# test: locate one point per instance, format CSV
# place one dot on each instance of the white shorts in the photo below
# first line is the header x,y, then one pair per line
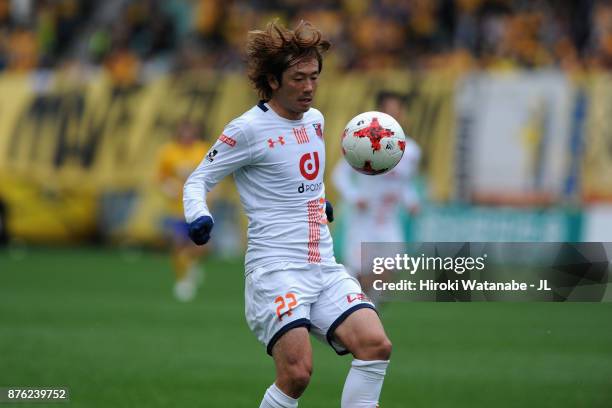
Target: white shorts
x,y
285,295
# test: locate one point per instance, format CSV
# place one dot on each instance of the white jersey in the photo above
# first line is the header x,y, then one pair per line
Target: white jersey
x,y
278,167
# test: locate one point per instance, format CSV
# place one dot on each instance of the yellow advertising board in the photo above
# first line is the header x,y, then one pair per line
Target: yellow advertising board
x,y
65,147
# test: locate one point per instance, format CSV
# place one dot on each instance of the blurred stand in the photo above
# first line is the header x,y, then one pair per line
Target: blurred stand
x,y
509,102
368,35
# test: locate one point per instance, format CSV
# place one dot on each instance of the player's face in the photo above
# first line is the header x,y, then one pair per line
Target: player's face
x,y
393,106
294,95
187,134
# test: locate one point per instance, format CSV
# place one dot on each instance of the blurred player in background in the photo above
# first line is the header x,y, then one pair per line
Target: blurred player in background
x,y
276,153
375,204
177,159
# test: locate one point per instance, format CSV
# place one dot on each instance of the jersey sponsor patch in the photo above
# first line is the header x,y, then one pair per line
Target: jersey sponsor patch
x,y
310,187
227,140
309,165
318,129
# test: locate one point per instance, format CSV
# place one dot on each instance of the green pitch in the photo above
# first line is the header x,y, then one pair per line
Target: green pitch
x,y
104,324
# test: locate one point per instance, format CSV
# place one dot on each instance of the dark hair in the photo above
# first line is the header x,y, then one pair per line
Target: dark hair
x,y
382,96
273,50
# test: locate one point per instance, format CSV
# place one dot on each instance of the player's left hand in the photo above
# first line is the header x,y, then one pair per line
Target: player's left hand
x,y
329,211
199,230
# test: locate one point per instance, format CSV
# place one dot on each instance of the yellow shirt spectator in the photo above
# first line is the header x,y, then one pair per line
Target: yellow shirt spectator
x,y
177,159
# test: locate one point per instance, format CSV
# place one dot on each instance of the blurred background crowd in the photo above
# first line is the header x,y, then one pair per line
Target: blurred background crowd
x,y
91,91
125,36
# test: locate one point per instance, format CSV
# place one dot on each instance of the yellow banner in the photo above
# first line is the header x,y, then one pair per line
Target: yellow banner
x,y
89,142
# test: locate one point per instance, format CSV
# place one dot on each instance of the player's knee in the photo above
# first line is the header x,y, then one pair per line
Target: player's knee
x,y
297,378
297,373
301,377
384,349
375,348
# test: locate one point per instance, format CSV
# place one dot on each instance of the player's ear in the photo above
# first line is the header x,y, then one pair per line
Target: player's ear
x,y
273,82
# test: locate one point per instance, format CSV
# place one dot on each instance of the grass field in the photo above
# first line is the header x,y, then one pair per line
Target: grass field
x,y
103,322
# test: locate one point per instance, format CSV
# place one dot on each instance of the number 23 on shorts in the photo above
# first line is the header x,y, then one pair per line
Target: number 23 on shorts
x,y
285,305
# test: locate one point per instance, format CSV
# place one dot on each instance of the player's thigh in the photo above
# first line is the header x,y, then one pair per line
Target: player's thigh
x,y
341,297
363,334
292,353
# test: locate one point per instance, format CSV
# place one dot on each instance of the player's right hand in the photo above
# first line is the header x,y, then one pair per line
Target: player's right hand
x,y
199,230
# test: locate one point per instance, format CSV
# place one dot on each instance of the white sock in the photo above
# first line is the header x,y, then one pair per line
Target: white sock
x,y
275,398
364,383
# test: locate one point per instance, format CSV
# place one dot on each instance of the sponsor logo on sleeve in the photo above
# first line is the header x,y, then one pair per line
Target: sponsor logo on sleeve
x,y
211,155
227,140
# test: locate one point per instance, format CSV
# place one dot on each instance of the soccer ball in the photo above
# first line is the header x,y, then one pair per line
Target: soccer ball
x,y
373,143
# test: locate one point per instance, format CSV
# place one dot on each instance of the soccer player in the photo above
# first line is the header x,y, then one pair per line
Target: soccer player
x,y
374,204
177,159
276,153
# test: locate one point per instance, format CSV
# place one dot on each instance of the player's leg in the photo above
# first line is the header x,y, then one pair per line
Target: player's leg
x,y
195,254
292,355
185,260
184,289
346,318
278,299
363,335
